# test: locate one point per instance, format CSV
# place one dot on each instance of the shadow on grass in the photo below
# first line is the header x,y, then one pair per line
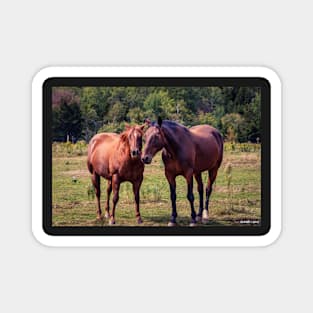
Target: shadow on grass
x,y
181,221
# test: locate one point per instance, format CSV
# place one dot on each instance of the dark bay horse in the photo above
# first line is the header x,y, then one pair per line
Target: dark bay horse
x,y
186,152
117,158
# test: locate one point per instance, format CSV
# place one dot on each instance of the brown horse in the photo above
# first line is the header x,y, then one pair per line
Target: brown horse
x,y
117,158
186,152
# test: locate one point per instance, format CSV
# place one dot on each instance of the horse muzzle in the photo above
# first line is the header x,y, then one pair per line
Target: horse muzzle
x,y
135,154
147,159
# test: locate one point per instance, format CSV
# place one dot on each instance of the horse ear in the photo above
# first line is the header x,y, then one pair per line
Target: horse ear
x,y
127,126
160,121
147,121
142,126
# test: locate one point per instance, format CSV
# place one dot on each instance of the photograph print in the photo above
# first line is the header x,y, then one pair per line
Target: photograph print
x,y
156,156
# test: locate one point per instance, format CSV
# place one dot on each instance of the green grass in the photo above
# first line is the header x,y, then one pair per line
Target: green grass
x,y
73,206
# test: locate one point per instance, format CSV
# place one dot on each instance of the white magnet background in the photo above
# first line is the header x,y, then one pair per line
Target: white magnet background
x,y
157,241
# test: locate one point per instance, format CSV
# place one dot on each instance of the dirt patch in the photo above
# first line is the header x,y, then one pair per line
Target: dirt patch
x,y
77,173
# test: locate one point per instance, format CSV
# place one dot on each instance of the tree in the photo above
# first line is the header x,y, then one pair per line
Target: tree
x,y
112,128
97,98
159,104
89,121
252,117
117,113
136,115
207,118
232,126
57,133
69,95
81,111
70,120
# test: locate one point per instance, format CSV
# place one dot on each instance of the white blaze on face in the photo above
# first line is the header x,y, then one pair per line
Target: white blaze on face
x,y
135,143
135,138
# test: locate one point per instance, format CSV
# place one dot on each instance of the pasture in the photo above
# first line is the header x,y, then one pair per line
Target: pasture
x,y
236,194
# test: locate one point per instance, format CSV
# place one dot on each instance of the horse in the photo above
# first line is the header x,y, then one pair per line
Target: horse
x,y
186,152
117,158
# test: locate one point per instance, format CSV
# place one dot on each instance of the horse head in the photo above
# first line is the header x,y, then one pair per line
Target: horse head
x,y
154,140
132,135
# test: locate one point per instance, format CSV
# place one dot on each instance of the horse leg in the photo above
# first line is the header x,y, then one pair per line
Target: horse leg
x,y
198,178
116,188
190,197
109,190
172,182
136,188
211,178
96,183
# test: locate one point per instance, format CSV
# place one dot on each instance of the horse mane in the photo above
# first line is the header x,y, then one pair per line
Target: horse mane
x,y
125,133
124,136
124,144
171,124
170,131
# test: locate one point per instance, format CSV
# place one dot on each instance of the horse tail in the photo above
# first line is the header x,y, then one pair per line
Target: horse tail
x,y
90,167
220,142
90,150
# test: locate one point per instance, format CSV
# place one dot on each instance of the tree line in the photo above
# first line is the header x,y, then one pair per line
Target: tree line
x,y
80,112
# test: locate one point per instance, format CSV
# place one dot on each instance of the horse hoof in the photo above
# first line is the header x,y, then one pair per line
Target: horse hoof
x,y
111,222
205,215
99,218
139,220
192,224
106,215
171,224
198,219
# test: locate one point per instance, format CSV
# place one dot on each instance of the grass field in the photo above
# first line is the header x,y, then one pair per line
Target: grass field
x,y
236,195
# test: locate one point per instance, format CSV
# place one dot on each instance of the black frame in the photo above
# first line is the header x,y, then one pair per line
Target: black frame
x,y
261,229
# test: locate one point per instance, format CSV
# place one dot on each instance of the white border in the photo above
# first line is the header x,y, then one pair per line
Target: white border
x,y
156,241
